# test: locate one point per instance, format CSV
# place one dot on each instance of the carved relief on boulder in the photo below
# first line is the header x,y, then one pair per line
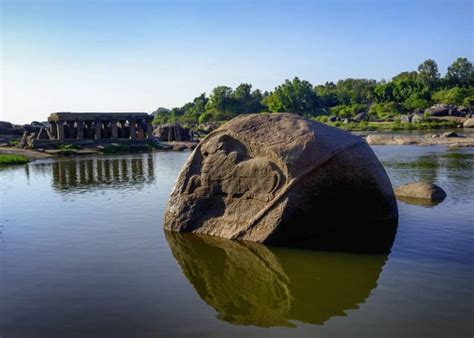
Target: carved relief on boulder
x,y
227,181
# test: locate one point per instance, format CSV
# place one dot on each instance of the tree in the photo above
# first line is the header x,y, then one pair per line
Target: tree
x,y
428,74
460,73
246,101
294,96
220,103
327,94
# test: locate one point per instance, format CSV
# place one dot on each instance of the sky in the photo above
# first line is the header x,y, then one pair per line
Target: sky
x,y
106,55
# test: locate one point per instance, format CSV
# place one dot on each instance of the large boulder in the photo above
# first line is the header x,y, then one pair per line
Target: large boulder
x,y
439,109
286,180
469,123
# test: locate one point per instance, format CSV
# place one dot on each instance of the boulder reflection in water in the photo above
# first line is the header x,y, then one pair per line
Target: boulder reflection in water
x,y
250,284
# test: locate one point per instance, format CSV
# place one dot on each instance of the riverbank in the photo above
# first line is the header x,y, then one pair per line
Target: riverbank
x,y
425,139
450,139
68,150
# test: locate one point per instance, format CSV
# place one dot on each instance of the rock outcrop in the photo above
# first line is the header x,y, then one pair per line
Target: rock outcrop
x,y
421,190
441,109
286,180
172,132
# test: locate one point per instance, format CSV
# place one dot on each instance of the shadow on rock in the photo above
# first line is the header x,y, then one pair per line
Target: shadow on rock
x,y
248,283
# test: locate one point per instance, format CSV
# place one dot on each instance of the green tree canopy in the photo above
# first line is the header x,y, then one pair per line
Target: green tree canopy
x,y
294,96
428,74
405,92
460,73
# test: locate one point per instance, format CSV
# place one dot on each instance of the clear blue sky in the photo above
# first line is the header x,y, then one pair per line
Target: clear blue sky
x,y
139,55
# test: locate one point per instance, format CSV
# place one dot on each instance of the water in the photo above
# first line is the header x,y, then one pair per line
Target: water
x,y
83,254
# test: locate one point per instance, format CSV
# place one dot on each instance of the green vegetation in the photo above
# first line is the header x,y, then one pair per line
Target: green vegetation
x,y
390,126
66,150
382,100
13,159
13,143
116,149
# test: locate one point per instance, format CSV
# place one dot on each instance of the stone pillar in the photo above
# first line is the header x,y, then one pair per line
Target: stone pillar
x,y
98,129
114,130
53,130
71,131
133,131
80,130
60,131
149,130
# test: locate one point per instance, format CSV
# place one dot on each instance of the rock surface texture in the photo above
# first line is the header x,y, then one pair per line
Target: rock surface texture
x,y
286,180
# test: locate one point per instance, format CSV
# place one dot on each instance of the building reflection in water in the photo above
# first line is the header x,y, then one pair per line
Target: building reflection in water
x,y
251,284
80,173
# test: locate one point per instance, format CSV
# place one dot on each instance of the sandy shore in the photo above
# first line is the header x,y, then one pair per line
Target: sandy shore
x,y
31,154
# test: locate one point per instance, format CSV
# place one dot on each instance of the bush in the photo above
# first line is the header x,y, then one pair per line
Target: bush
x,y
116,149
349,110
322,118
13,143
454,95
385,110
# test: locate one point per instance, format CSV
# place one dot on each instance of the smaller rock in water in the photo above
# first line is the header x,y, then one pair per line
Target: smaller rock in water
x,y
421,190
450,134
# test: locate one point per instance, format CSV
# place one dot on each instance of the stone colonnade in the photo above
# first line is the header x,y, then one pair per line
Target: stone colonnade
x,y
114,129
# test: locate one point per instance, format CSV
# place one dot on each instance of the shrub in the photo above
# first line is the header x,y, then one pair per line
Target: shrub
x,y
116,149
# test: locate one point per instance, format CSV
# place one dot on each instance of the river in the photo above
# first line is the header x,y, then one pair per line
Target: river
x,y
83,254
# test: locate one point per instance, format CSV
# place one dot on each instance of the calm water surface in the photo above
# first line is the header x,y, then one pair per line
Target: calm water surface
x,y
83,254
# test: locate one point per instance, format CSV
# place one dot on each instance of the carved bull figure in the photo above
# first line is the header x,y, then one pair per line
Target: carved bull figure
x,y
229,171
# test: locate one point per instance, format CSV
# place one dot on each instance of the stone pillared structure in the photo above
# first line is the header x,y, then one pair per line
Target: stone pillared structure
x,y
100,126
286,180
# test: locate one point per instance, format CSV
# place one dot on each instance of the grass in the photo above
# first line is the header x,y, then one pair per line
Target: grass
x,y
13,159
66,150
